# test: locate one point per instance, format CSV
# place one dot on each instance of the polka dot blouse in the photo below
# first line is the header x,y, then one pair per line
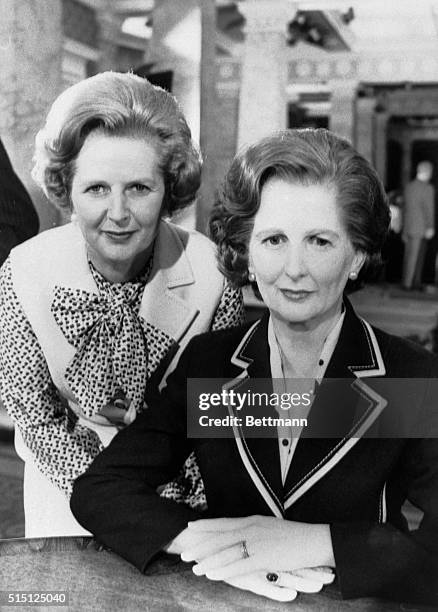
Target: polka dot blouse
x,y
114,352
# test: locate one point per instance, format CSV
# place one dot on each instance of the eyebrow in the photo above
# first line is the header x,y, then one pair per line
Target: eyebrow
x,y
91,180
279,230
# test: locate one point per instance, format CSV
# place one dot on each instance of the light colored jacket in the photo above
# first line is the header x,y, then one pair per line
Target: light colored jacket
x,y
180,297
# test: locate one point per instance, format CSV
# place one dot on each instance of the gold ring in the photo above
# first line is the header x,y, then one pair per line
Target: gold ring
x,y
244,550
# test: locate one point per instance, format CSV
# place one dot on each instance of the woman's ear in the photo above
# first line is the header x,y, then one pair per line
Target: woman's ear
x,y
250,264
358,261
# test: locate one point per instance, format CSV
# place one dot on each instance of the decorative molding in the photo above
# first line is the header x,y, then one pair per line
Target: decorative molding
x,y
310,70
374,69
229,69
229,90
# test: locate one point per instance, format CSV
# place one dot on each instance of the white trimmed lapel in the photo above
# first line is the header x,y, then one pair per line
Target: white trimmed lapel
x,y
357,354
374,365
238,358
360,425
256,454
321,455
163,304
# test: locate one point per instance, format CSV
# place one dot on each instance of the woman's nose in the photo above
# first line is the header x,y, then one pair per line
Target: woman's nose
x,y
295,264
118,209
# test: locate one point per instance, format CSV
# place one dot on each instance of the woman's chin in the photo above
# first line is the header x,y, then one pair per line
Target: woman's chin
x,y
299,314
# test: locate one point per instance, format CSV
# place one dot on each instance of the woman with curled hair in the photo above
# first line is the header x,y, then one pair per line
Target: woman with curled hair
x,y
96,313
301,216
310,157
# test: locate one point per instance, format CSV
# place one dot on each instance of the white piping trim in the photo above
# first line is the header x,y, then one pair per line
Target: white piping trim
x,y
235,359
383,509
255,478
244,453
378,403
380,370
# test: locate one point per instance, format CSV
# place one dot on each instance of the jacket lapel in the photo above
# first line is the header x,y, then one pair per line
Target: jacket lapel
x,y
259,456
163,304
352,407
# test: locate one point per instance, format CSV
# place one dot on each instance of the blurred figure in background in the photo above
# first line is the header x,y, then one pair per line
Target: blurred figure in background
x,y
418,225
18,218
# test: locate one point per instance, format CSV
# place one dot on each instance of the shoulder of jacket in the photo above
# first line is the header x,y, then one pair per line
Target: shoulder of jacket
x,y
188,234
402,353
231,336
51,237
192,240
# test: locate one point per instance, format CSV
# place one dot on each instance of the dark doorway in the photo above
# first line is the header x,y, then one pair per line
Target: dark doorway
x,y
298,118
162,79
428,150
394,165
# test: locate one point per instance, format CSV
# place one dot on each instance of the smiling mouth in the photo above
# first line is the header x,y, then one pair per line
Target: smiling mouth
x,y
118,235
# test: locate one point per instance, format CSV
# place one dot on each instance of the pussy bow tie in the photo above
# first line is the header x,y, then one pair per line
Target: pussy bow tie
x,y
109,338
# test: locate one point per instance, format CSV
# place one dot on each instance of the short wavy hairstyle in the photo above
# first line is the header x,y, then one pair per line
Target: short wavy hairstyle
x,y
306,157
117,104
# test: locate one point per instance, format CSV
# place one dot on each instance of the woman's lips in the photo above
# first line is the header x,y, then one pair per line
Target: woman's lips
x,y
118,236
296,295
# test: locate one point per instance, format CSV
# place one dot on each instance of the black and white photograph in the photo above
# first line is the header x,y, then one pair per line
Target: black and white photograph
x,y
219,305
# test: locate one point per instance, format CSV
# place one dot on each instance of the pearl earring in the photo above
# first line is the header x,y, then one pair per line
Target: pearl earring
x,y
352,276
251,277
73,217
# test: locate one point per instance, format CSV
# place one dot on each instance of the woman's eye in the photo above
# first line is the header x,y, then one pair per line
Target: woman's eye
x,y
275,240
96,189
140,188
319,242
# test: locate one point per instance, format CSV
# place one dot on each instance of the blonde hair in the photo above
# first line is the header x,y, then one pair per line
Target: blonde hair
x,y
117,104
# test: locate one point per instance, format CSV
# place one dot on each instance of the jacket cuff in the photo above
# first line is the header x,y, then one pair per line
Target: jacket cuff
x,y
378,560
158,537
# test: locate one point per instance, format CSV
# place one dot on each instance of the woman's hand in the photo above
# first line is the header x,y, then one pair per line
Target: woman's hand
x,y
288,584
272,545
257,583
187,539
205,535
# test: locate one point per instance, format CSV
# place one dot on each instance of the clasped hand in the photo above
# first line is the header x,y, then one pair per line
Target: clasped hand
x,y
291,551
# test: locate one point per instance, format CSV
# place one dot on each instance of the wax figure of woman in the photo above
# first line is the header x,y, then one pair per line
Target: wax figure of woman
x,y
302,215
96,312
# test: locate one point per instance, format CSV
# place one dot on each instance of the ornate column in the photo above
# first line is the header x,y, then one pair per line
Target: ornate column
x,y
176,46
208,110
342,109
263,103
30,79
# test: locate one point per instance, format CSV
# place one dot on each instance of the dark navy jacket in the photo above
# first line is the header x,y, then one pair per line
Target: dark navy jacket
x,y
355,483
